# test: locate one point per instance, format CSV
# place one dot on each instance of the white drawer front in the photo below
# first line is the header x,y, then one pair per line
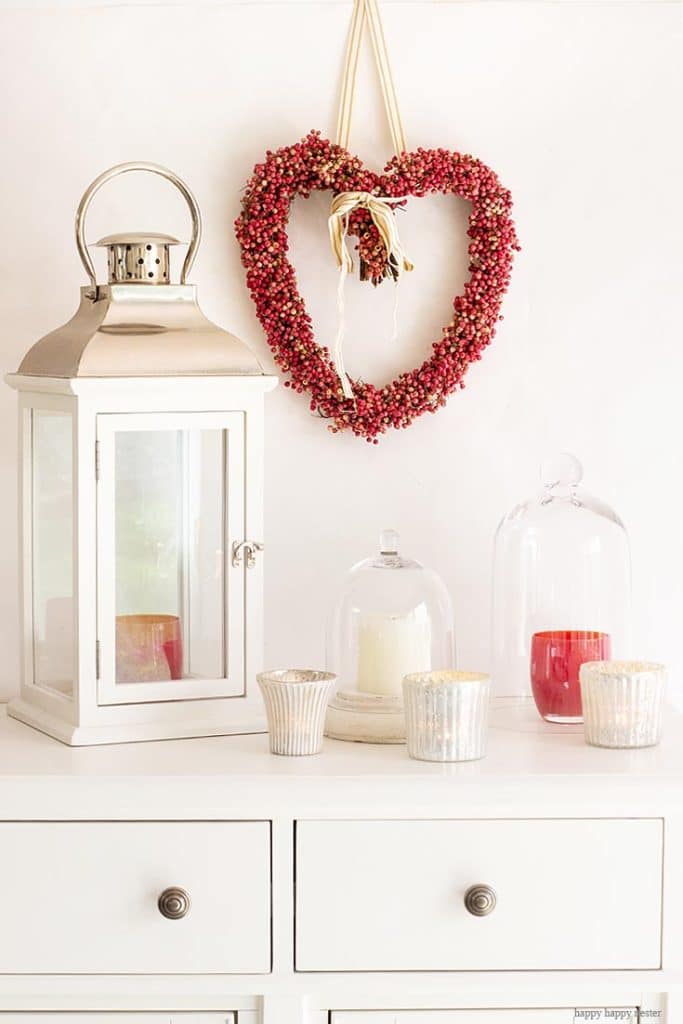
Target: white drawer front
x,y
121,1017
544,1016
571,894
82,897
569,1015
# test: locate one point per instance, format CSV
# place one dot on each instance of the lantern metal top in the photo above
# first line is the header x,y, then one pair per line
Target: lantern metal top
x,y
140,323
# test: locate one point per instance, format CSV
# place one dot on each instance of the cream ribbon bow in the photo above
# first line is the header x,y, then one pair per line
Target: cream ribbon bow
x,y
383,217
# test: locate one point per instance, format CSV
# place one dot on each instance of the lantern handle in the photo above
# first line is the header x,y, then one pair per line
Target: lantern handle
x,y
141,165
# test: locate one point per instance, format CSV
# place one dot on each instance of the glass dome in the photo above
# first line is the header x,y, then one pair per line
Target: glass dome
x,y
392,617
561,592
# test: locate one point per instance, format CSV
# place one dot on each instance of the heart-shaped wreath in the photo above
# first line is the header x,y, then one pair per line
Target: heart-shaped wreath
x,y
318,164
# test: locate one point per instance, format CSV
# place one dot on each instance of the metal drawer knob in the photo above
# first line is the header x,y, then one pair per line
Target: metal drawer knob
x,y
174,903
480,900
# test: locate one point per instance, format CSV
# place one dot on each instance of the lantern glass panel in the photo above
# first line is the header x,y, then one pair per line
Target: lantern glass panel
x,y
169,555
51,540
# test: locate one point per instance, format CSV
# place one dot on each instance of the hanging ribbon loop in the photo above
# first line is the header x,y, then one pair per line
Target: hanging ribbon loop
x,y
368,10
379,207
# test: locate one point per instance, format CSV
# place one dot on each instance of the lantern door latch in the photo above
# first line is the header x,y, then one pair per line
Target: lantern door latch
x,y
244,553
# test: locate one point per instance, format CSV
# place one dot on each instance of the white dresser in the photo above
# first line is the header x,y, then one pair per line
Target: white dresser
x,y
206,881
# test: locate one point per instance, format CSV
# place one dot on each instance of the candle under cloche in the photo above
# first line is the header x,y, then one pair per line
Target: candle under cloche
x,y
393,617
561,592
387,644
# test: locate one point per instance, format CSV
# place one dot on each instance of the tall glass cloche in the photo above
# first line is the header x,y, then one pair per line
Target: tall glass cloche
x,y
561,591
392,617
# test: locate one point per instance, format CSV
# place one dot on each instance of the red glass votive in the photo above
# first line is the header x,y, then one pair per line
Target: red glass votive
x,y
556,657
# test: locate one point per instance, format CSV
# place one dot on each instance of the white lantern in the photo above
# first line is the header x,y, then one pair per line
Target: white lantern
x,y
141,436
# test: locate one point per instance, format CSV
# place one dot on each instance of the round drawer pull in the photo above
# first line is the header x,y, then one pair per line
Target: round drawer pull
x,y
174,903
480,900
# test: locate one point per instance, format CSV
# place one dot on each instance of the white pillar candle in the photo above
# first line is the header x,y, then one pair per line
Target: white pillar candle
x,y
390,647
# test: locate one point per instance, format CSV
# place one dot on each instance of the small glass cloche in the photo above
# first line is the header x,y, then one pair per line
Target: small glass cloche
x,y
392,617
561,592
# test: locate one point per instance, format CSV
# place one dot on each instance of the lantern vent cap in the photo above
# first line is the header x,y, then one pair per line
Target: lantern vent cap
x,y
138,257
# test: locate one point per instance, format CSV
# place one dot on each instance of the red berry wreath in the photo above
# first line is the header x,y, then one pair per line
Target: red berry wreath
x,y
315,163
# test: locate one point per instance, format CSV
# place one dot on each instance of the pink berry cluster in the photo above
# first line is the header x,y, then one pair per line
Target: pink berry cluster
x,y
315,163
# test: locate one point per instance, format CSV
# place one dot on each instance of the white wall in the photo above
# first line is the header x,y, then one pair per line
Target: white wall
x,y
575,104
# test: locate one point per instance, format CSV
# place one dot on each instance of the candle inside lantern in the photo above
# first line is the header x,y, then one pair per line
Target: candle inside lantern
x,y
149,648
556,658
391,647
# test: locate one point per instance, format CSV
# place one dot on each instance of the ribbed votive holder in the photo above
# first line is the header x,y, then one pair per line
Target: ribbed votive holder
x,y
446,715
296,701
622,702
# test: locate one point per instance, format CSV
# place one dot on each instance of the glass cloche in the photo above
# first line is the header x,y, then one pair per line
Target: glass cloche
x,y
392,617
561,592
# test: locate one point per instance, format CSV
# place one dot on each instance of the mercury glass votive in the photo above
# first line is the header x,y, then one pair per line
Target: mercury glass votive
x,y
446,715
296,700
622,702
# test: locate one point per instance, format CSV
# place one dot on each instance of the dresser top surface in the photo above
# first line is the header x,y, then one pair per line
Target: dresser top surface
x,y
520,746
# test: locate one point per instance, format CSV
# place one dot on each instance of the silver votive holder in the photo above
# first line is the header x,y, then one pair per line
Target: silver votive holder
x,y
446,715
622,702
296,701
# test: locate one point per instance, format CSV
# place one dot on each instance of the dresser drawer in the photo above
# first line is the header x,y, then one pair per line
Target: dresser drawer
x,y
568,1015
571,894
119,1017
83,897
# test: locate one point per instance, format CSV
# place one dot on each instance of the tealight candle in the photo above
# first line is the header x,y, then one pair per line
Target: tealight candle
x,y
622,702
446,715
296,700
